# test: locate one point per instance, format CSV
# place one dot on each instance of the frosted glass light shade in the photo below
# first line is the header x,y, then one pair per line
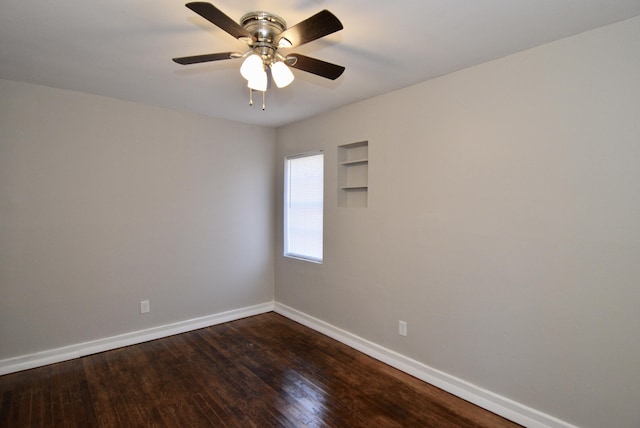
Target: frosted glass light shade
x,y
252,67
258,82
281,74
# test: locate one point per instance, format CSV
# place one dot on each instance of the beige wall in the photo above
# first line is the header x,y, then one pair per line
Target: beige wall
x,y
503,225
502,222
104,203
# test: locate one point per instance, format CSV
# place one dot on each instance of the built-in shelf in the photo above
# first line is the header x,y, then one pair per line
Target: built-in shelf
x,y
354,162
354,187
353,174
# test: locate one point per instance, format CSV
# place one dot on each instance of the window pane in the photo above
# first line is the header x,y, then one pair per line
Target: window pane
x,y
303,206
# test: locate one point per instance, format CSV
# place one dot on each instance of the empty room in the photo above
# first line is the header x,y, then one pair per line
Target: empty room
x,y
320,213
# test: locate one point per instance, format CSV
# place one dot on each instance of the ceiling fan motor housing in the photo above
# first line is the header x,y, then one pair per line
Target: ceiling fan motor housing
x,y
264,27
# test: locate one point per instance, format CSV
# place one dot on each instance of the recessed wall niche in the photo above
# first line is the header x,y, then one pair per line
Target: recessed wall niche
x,y
353,174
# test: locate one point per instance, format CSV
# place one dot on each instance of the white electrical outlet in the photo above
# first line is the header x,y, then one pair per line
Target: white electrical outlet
x,y
402,328
144,306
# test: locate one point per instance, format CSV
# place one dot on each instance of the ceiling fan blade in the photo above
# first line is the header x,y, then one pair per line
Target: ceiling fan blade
x,y
316,66
217,17
185,60
319,25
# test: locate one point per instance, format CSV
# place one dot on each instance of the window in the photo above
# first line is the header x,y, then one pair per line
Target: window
x,y
303,202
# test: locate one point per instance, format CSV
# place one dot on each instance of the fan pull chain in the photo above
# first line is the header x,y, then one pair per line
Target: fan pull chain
x,y
264,95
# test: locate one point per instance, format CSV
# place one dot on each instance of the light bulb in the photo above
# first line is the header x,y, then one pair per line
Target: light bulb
x,y
252,66
258,82
282,75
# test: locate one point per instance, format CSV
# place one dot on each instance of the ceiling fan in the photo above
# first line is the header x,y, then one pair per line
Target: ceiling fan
x,y
265,33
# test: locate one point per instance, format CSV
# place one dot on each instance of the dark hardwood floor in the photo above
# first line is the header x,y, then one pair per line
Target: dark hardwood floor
x,y
262,371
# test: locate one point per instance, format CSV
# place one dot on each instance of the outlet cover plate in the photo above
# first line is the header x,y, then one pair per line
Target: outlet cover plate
x,y
402,328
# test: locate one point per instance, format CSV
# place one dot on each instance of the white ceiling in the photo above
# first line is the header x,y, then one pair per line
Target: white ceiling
x,y
123,48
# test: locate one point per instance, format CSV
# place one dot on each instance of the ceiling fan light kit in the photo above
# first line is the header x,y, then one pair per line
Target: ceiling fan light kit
x,y
265,33
281,74
251,66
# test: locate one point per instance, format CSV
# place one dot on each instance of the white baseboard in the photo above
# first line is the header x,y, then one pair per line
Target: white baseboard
x,y
488,400
495,403
57,355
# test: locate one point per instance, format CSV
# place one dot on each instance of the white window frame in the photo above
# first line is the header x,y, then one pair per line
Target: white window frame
x,y
288,238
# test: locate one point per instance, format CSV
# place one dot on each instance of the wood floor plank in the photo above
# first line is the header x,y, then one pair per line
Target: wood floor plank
x,y
262,371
